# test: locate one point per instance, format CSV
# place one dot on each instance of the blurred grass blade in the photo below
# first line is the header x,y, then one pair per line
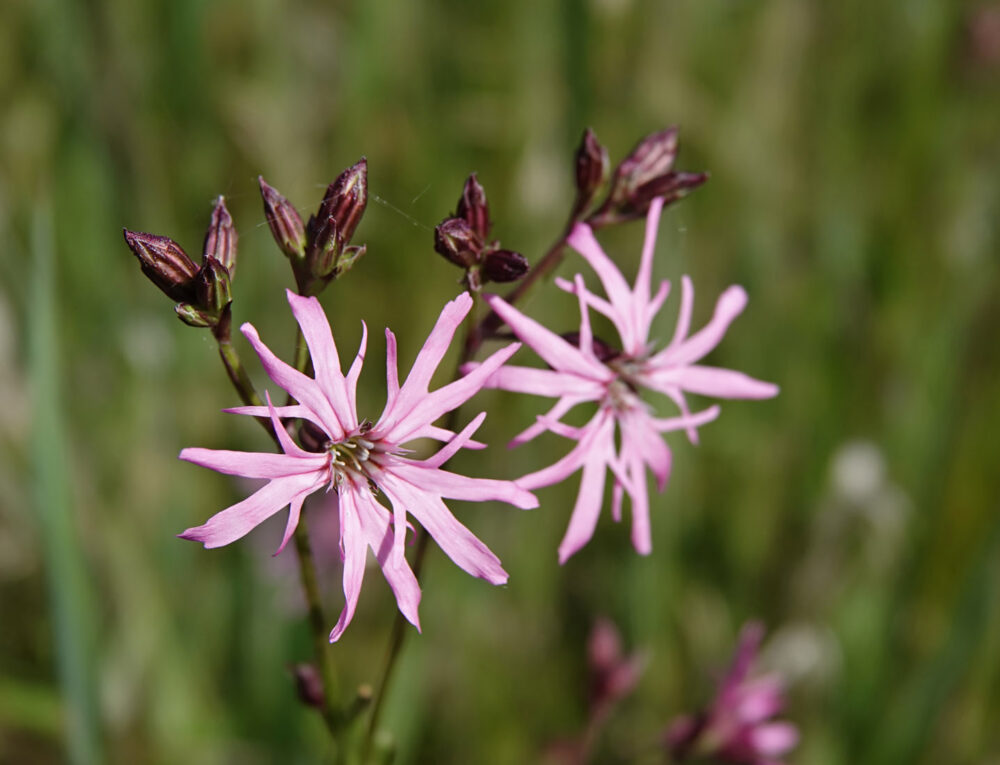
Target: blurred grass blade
x,y
69,591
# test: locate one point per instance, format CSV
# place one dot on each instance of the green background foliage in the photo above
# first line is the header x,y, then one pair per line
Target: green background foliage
x,y
855,193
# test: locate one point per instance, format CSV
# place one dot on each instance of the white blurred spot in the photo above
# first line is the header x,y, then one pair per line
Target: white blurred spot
x,y
858,471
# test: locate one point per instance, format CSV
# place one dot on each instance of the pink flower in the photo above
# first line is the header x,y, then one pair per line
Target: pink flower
x,y
735,727
587,370
360,460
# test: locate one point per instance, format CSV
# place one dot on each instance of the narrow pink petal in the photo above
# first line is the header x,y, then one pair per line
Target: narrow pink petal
x,y
684,315
730,305
554,350
326,361
774,739
716,382
253,464
294,511
599,304
563,468
291,411
375,523
653,308
288,446
391,370
644,278
355,372
458,543
455,486
302,388
451,448
586,344
667,424
641,438
543,423
239,519
582,239
354,548
642,538
583,521
442,434
540,382
427,361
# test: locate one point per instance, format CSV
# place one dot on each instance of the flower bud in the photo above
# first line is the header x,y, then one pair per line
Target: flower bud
x,y
165,264
220,238
214,289
284,220
504,266
591,168
473,208
653,157
458,242
345,202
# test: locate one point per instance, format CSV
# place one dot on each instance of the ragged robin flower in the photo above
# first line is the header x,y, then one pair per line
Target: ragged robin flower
x,y
583,369
363,461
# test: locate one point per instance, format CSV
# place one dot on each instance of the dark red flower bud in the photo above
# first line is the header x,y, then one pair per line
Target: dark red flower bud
x,y
220,238
455,239
504,266
653,157
345,202
591,168
284,220
165,264
473,208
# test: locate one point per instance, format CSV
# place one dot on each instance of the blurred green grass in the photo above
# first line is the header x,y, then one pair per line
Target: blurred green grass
x,y
854,156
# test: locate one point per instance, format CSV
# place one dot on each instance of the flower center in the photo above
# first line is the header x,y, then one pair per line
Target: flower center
x,y
354,458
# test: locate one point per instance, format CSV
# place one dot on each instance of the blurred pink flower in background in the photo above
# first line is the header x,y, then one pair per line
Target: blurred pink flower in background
x,y
585,370
737,727
358,459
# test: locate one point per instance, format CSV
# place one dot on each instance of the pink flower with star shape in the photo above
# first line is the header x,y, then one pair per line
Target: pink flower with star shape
x,y
360,460
589,371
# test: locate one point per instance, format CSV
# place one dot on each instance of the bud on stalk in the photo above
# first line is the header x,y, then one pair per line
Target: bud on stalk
x,y
165,264
284,220
591,169
345,202
220,238
455,239
504,266
473,207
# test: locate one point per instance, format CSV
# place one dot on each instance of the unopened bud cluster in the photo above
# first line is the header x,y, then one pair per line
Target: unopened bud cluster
x,y
644,175
203,293
463,239
320,250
